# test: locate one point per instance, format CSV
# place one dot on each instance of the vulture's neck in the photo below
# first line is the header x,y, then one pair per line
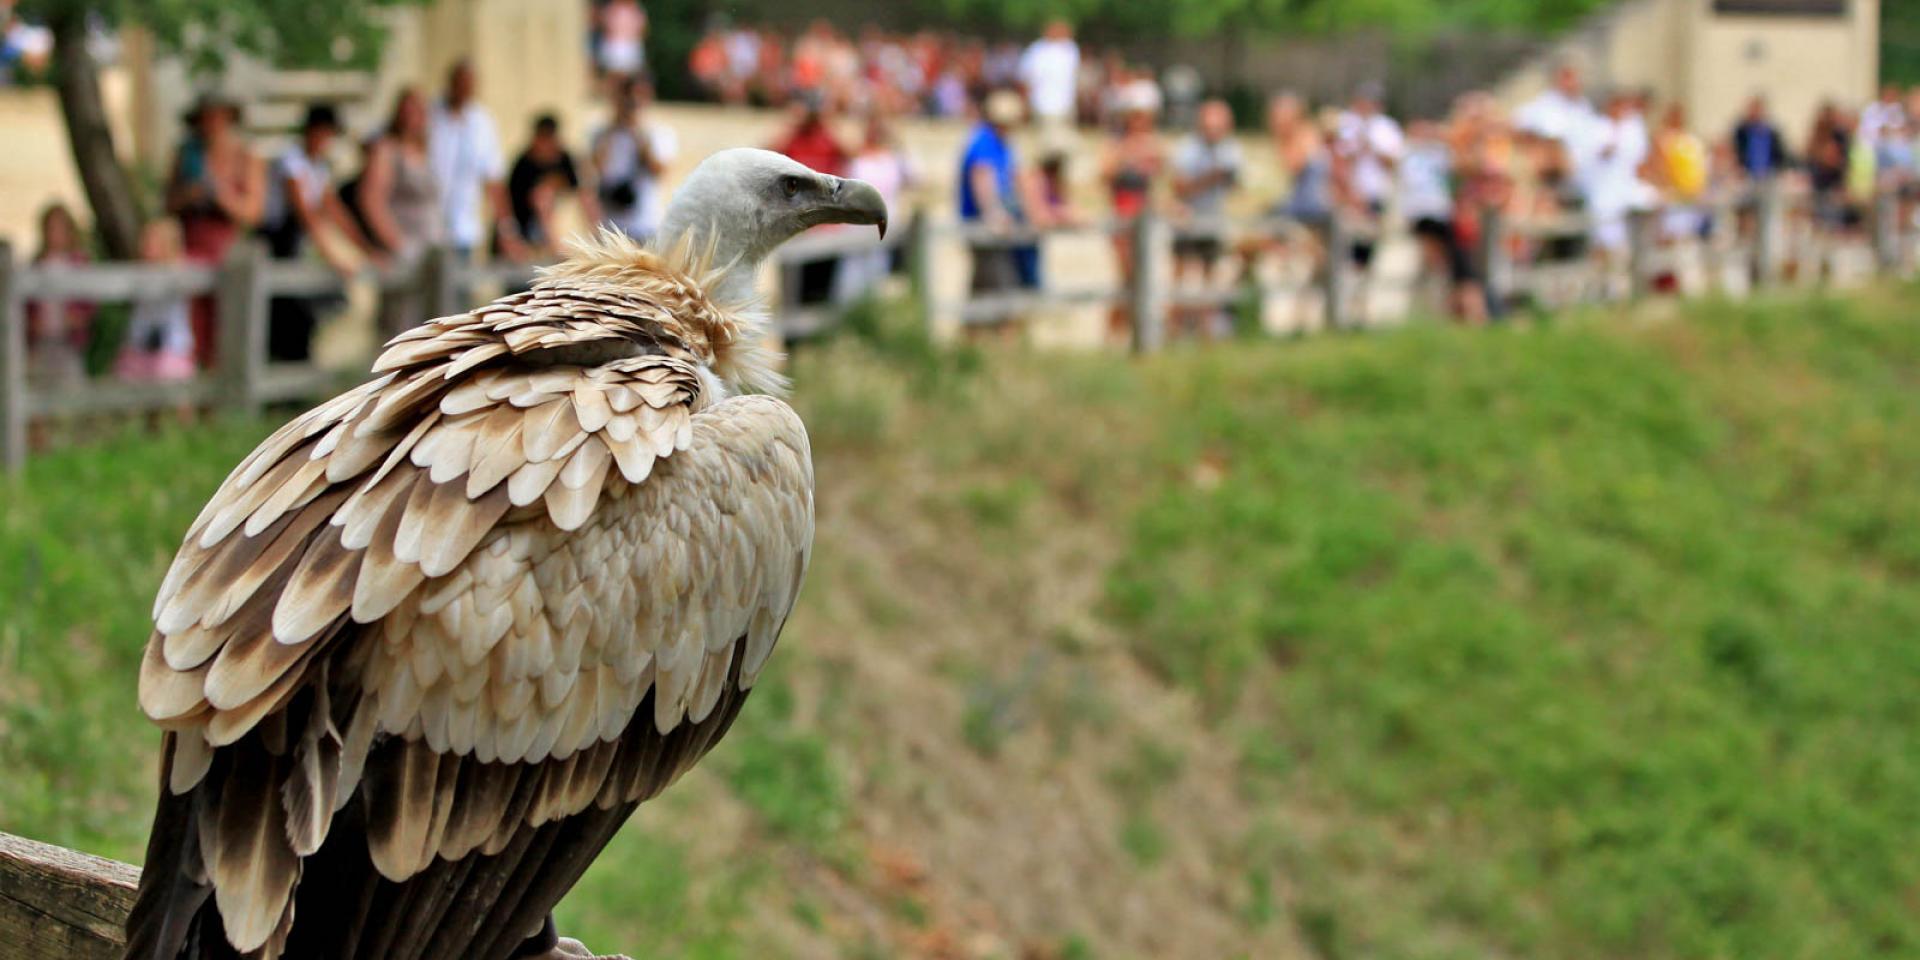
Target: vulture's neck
x,y
738,248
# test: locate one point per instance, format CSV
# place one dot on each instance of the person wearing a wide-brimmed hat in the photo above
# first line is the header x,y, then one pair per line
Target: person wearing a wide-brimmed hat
x,y
217,190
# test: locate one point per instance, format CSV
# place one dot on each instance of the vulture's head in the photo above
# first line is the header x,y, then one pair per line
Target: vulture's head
x,y
734,210
745,202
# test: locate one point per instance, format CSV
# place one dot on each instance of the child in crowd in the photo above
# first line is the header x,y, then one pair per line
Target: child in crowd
x,y
57,332
159,343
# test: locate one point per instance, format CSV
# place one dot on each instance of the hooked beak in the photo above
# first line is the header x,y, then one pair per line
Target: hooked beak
x,y
856,201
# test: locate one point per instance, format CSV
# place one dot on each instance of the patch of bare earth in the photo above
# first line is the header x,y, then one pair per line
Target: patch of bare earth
x,y
988,725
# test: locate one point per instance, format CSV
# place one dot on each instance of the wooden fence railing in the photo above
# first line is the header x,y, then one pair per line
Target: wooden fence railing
x,y
1759,238
58,903
1755,237
242,287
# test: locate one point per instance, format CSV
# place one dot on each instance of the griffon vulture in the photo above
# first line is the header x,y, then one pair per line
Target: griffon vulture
x,y
433,641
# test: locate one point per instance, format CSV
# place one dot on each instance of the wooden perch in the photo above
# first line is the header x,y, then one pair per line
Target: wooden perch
x,y
56,902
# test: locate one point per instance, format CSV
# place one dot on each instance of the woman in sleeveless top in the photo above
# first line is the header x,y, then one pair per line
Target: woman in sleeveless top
x,y
1305,160
1135,160
399,199
399,196
217,190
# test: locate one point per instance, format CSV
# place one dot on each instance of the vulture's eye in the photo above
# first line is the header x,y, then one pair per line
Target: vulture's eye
x,y
790,185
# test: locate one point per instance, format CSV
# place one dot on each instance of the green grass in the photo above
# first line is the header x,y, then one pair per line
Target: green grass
x,y
1592,644
1594,640
85,535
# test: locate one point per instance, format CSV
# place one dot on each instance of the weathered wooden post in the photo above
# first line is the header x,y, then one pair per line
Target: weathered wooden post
x,y
55,902
241,300
1769,232
13,365
1147,298
1642,247
920,267
440,284
1496,259
1336,279
1886,229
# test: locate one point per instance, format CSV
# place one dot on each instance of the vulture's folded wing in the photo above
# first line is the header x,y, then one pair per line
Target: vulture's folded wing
x,y
445,594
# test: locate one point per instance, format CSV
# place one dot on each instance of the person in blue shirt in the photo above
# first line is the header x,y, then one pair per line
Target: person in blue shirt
x,y
990,196
1757,143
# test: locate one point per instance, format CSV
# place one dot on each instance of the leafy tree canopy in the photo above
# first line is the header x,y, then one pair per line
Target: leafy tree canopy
x,y
1412,18
288,32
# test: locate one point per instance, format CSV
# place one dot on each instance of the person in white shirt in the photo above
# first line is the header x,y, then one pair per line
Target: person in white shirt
x,y
1610,176
1884,118
630,158
1050,71
1370,144
302,205
465,153
1561,112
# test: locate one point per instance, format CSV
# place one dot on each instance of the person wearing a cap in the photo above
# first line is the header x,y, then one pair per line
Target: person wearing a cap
x,y
990,195
216,190
302,205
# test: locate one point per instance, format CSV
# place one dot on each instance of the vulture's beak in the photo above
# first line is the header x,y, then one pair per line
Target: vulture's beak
x,y
856,201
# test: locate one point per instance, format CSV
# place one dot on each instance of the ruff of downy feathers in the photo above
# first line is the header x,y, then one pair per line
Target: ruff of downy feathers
x,y
687,280
609,291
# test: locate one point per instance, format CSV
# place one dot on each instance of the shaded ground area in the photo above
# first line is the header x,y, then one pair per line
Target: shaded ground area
x,y
1590,640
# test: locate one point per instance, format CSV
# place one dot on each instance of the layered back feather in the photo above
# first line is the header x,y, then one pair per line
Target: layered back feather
x,y
433,640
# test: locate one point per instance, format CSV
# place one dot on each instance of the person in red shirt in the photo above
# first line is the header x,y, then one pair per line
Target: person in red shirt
x,y
811,141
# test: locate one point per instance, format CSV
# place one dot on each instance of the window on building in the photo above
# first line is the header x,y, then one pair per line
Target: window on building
x,y
1781,8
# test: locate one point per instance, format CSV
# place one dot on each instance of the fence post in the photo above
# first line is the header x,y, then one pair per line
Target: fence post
x,y
920,267
1336,281
439,283
13,365
1496,259
1148,295
1642,239
1769,233
1886,229
242,303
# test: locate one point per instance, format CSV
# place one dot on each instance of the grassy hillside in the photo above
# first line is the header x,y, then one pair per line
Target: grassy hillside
x,y
1595,640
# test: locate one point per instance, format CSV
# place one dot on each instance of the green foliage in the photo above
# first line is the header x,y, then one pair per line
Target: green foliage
x,y
295,33
643,895
1611,634
1142,838
785,775
1135,18
1900,41
85,535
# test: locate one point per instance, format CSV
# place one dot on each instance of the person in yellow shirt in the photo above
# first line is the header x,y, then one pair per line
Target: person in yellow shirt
x,y
1679,168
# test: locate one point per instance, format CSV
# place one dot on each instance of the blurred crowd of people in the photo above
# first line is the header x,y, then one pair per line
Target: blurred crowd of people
x,y
433,174
927,73
1565,152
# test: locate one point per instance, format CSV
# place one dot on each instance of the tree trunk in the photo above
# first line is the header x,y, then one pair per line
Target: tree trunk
x,y
109,189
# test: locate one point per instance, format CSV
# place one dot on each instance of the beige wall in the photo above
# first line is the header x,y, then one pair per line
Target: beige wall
x,y
1680,50
1796,63
530,56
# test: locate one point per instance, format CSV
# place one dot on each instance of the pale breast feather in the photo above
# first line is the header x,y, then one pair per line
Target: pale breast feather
x,y
525,557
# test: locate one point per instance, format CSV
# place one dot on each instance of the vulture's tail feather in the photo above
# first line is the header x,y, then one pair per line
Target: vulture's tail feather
x,y
480,907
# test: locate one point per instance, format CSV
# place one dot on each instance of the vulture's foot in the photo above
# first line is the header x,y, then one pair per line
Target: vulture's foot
x,y
571,949
549,945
